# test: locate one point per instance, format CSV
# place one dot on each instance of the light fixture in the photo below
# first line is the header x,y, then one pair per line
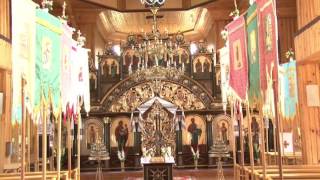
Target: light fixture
x,y
153,2
116,49
193,48
155,46
210,47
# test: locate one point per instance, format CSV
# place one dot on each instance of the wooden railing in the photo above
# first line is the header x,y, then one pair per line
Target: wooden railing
x,y
293,172
51,175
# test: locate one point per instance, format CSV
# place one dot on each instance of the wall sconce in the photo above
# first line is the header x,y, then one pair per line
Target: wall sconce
x,y
1,102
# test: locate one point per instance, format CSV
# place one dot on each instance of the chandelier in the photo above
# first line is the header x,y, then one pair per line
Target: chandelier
x,y
155,46
153,2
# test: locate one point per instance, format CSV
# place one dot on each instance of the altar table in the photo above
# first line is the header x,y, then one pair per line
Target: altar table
x,y
157,171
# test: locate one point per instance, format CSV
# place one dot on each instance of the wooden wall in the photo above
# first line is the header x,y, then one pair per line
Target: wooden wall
x,y
5,78
307,10
310,121
308,61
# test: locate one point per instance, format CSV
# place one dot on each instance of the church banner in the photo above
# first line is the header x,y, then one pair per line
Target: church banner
x,y
268,50
288,92
66,85
73,97
80,77
83,78
48,59
253,54
225,66
23,65
238,57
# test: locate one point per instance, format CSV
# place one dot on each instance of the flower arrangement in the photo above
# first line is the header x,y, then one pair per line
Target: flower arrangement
x,y
121,156
166,151
290,54
195,154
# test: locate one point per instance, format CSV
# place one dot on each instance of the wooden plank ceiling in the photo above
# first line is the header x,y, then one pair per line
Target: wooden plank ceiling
x,y
115,19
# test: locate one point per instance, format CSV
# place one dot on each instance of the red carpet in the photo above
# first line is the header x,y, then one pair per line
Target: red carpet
x,y
175,178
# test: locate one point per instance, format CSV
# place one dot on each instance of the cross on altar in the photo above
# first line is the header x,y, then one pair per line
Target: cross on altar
x,y
286,144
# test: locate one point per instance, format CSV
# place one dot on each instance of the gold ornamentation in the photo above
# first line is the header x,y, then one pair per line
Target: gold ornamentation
x,y
268,32
171,92
158,130
157,73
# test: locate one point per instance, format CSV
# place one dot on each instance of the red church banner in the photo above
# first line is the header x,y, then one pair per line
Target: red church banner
x,y
238,57
268,49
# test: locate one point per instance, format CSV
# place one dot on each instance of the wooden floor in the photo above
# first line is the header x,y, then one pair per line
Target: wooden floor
x,y
201,174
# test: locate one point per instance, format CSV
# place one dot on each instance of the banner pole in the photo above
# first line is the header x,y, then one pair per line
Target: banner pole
x,y
263,157
233,141
44,140
250,139
69,145
78,143
59,146
23,146
241,140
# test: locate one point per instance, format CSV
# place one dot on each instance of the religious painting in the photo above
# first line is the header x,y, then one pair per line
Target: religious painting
x,y
46,51
121,134
66,58
93,81
130,61
237,54
202,64
221,129
183,56
268,32
93,132
110,67
253,47
24,43
195,131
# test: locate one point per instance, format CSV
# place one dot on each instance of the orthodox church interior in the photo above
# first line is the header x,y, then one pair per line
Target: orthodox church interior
x,y
160,89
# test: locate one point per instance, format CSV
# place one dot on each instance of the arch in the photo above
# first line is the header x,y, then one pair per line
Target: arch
x,y
139,94
185,82
201,60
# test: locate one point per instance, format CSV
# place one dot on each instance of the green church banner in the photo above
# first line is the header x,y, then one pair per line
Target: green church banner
x,y
48,60
253,54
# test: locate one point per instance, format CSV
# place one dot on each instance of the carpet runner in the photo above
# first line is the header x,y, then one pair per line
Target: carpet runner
x,y
175,178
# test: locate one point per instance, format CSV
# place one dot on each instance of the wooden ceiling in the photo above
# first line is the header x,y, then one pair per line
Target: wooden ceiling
x,y
116,18
191,22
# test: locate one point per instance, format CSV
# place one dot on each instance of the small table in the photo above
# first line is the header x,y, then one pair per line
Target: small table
x,y
157,171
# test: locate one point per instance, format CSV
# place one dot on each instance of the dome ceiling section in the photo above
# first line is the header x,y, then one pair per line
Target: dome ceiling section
x,y
193,22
